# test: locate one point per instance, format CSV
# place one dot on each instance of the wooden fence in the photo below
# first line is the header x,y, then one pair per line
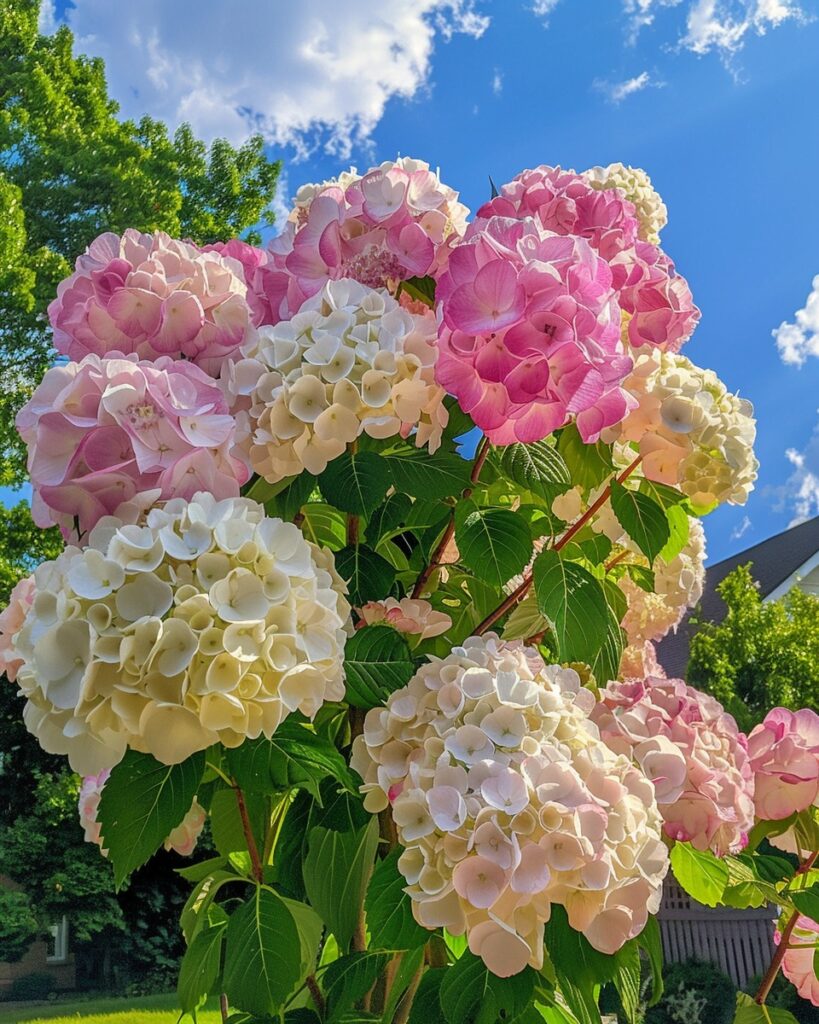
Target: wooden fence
x,y
739,942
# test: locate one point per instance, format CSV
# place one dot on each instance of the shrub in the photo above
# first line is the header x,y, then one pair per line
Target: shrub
x,y
696,992
18,924
37,985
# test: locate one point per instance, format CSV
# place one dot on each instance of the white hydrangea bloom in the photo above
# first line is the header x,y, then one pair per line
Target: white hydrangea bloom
x,y
209,622
353,360
636,184
677,587
506,801
691,431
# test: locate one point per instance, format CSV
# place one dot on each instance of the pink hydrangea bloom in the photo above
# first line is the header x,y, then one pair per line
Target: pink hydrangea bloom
x,y
101,432
11,620
182,839
784,752
407,616
657,299
251,258
397,221
693,752
154,296
797,965
531,333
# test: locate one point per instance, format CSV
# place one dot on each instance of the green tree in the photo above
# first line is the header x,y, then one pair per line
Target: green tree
x,y
71,169
19,926
762,655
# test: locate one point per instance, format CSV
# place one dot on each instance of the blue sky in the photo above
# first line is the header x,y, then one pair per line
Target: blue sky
x,y
718,101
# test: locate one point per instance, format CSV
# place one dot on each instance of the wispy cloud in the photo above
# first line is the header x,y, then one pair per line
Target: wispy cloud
x,y
319,79
616,92
742,529
798,340
543,8
497,82
800,493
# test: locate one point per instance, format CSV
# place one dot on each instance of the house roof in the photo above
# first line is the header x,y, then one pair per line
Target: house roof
x,y
773,561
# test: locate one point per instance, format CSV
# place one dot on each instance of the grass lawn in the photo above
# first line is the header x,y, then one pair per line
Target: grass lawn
x,y
137,1010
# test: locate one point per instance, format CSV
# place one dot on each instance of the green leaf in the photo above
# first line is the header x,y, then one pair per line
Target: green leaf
x,y
355,482
368,575
627,980
349,979
288,502
574,602
750,1012
537,467
377,661
651,941
589,464
494,542
662,493
471,994
679,529
194,915
605,665
389,908
337,869
226,821
460,422
642,519
294,757
806,901
409,964
426,1007
388,517
141,803
579,967
524,620
421,288
414,471
325,526
642,576
262,955
700,873
200,968
310,928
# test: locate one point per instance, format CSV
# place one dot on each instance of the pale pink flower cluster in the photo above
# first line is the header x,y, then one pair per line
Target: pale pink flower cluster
x,y
103,431
798,962
784,752
11,621
693,752
352,361
251,259
154,296
208,623
397,221
690,431
656,300
636,186
416,617
678,586
182,839
640,660
531,332
506,801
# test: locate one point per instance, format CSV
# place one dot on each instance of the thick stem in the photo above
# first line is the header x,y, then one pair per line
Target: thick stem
x,y
316,994
352,530
224,1010
405,1005
446,537
617,559
520,592
776,962
252,848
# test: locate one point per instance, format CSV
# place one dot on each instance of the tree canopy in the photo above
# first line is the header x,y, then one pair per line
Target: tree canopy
x,y
762,655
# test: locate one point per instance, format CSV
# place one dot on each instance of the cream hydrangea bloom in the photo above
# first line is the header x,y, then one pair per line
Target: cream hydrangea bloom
x,y
351,361
692,433
636,185
209,623
506,801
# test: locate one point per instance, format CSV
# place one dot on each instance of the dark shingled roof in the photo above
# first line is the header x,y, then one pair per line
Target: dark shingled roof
x,y
773,560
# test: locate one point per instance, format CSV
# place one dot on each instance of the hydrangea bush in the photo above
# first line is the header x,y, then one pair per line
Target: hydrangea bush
x,y
370,536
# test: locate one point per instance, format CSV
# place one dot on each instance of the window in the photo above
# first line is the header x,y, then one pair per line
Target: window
x,y
57,951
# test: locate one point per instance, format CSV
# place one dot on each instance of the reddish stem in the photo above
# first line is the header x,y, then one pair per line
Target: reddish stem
x,y
770,975
509,602
224,1010
316,994
446,537
615,561
252,848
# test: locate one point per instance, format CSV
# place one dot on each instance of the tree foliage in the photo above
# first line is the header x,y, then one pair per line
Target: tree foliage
x,y
762,655
71,169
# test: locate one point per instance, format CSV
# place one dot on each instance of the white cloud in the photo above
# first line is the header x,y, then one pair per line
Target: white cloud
x,y
800,494
316,73
721,26
742,529
543,8
797,341
616,92
497,82
47,18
